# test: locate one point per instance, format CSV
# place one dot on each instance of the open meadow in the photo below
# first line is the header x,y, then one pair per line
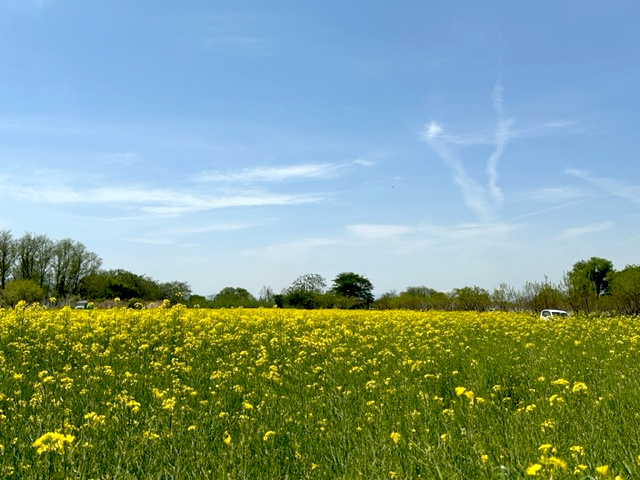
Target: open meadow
x,y
276,393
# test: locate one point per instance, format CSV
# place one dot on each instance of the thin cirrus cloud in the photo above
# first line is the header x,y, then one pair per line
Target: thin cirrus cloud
x,y
173,235
150,201
277,173
480,199
555,194
588,229
610,186
379,232
375,232
301,247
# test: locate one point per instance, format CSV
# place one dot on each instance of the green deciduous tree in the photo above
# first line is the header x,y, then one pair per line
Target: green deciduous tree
x,y
587,281
22,289
355,288
310,282
625,290
415,298
106,285
175,292
71,261
233,297
306,291
471,298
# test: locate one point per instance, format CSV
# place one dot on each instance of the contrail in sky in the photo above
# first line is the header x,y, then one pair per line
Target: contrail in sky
x,y
479,199
501,139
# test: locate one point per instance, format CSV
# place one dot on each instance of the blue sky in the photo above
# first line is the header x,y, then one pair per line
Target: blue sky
x,y
247,143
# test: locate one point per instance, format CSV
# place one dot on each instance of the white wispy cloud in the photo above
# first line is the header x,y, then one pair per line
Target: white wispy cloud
x,y
379,232
150,201
274,174
555,194
402,238
364,163
300,247
482,201
610,186
542,129
172,236
552,127
279,173
588,229
385,232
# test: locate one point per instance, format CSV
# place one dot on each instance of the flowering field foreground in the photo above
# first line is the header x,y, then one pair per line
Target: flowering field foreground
x,y
271,394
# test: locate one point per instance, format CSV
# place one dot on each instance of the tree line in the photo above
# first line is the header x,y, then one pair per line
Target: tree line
x,y
36,268
591,286
33,266
309,291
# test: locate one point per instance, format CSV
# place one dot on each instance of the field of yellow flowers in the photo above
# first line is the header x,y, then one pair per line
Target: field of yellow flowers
x,y
270,394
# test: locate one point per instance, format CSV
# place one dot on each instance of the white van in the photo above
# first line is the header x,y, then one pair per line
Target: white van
x,y
549,313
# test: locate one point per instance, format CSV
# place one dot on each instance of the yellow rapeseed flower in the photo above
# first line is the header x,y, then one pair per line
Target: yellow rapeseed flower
x,y
579,387
603,470
148,435
52,442
268,435
395,436
557,463
579,469
548,424
544,449
133,405
93,419
577,450
460,391
169,404
226,438
556,400
532,470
